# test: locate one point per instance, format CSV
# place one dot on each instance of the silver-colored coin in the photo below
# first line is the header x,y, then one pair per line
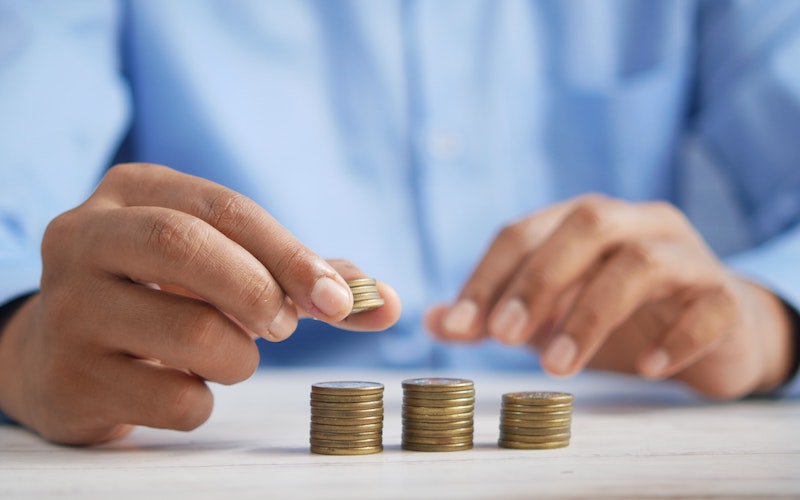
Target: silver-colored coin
x,y
347,388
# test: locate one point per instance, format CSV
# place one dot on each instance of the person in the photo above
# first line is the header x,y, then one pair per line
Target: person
x,y
448,149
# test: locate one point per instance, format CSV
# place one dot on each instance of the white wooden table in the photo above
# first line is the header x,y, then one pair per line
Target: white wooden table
x,y
629,439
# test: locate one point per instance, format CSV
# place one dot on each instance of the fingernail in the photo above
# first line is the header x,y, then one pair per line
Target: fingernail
x,y
654,363
559,355
459,319
509,324
329,296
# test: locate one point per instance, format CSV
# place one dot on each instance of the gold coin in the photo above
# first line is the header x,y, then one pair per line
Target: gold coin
x,y
346,429
356,443
347,388
332,450
438,418
565,408
327,398
428,395
534,431
326,412
435,410
361,282
363,297
519,438
438,384
536,424
534,416
437,403
532,446
346,422
361,405
358,289
335,436
437,426
366,305
436,447
464,431
437,440
538,398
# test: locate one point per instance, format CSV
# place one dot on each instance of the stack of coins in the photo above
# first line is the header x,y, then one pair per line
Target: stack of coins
x,y
346,418
438,414
365,295
535,420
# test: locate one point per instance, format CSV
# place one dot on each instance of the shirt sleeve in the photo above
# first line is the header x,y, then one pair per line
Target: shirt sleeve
x,y
747,120
63,109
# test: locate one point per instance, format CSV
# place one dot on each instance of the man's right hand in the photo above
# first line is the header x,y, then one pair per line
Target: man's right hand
x,y
157,283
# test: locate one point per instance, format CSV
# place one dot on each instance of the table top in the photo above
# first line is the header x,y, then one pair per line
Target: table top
x,y
630,438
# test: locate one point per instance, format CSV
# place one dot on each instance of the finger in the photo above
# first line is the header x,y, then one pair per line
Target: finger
x,y
633,275
465,319
310,281
140,392
698,330
591,229
179,331
376,319
164,246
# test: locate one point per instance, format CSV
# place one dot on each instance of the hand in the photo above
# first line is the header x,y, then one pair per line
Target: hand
x,y
157,283
629,287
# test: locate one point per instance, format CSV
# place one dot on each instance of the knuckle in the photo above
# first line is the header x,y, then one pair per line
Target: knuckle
x,y
589,215
513,235
177,238
262,294
230,212
291,262
203,334
538,280
637,255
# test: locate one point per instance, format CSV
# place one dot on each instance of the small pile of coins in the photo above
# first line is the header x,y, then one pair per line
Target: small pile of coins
x,y
438,414
365,295
346,418
535,420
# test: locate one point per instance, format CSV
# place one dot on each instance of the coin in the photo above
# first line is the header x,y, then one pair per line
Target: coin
x,y
437,403
438,418
538,424
355,443
332,450
437,426
347,388
346,429
436,447
346,422
566,408
436,410
426,395
358,405
336,436
534,431
532,446
366,305
538,397
437,384
361,282
328,398
437,440
519,438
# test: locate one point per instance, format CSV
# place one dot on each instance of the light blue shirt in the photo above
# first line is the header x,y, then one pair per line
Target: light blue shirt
x,y
402,135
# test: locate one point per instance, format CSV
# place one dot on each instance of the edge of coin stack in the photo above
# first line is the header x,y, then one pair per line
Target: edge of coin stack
x,y
438,414
366,296
535,420
346,418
